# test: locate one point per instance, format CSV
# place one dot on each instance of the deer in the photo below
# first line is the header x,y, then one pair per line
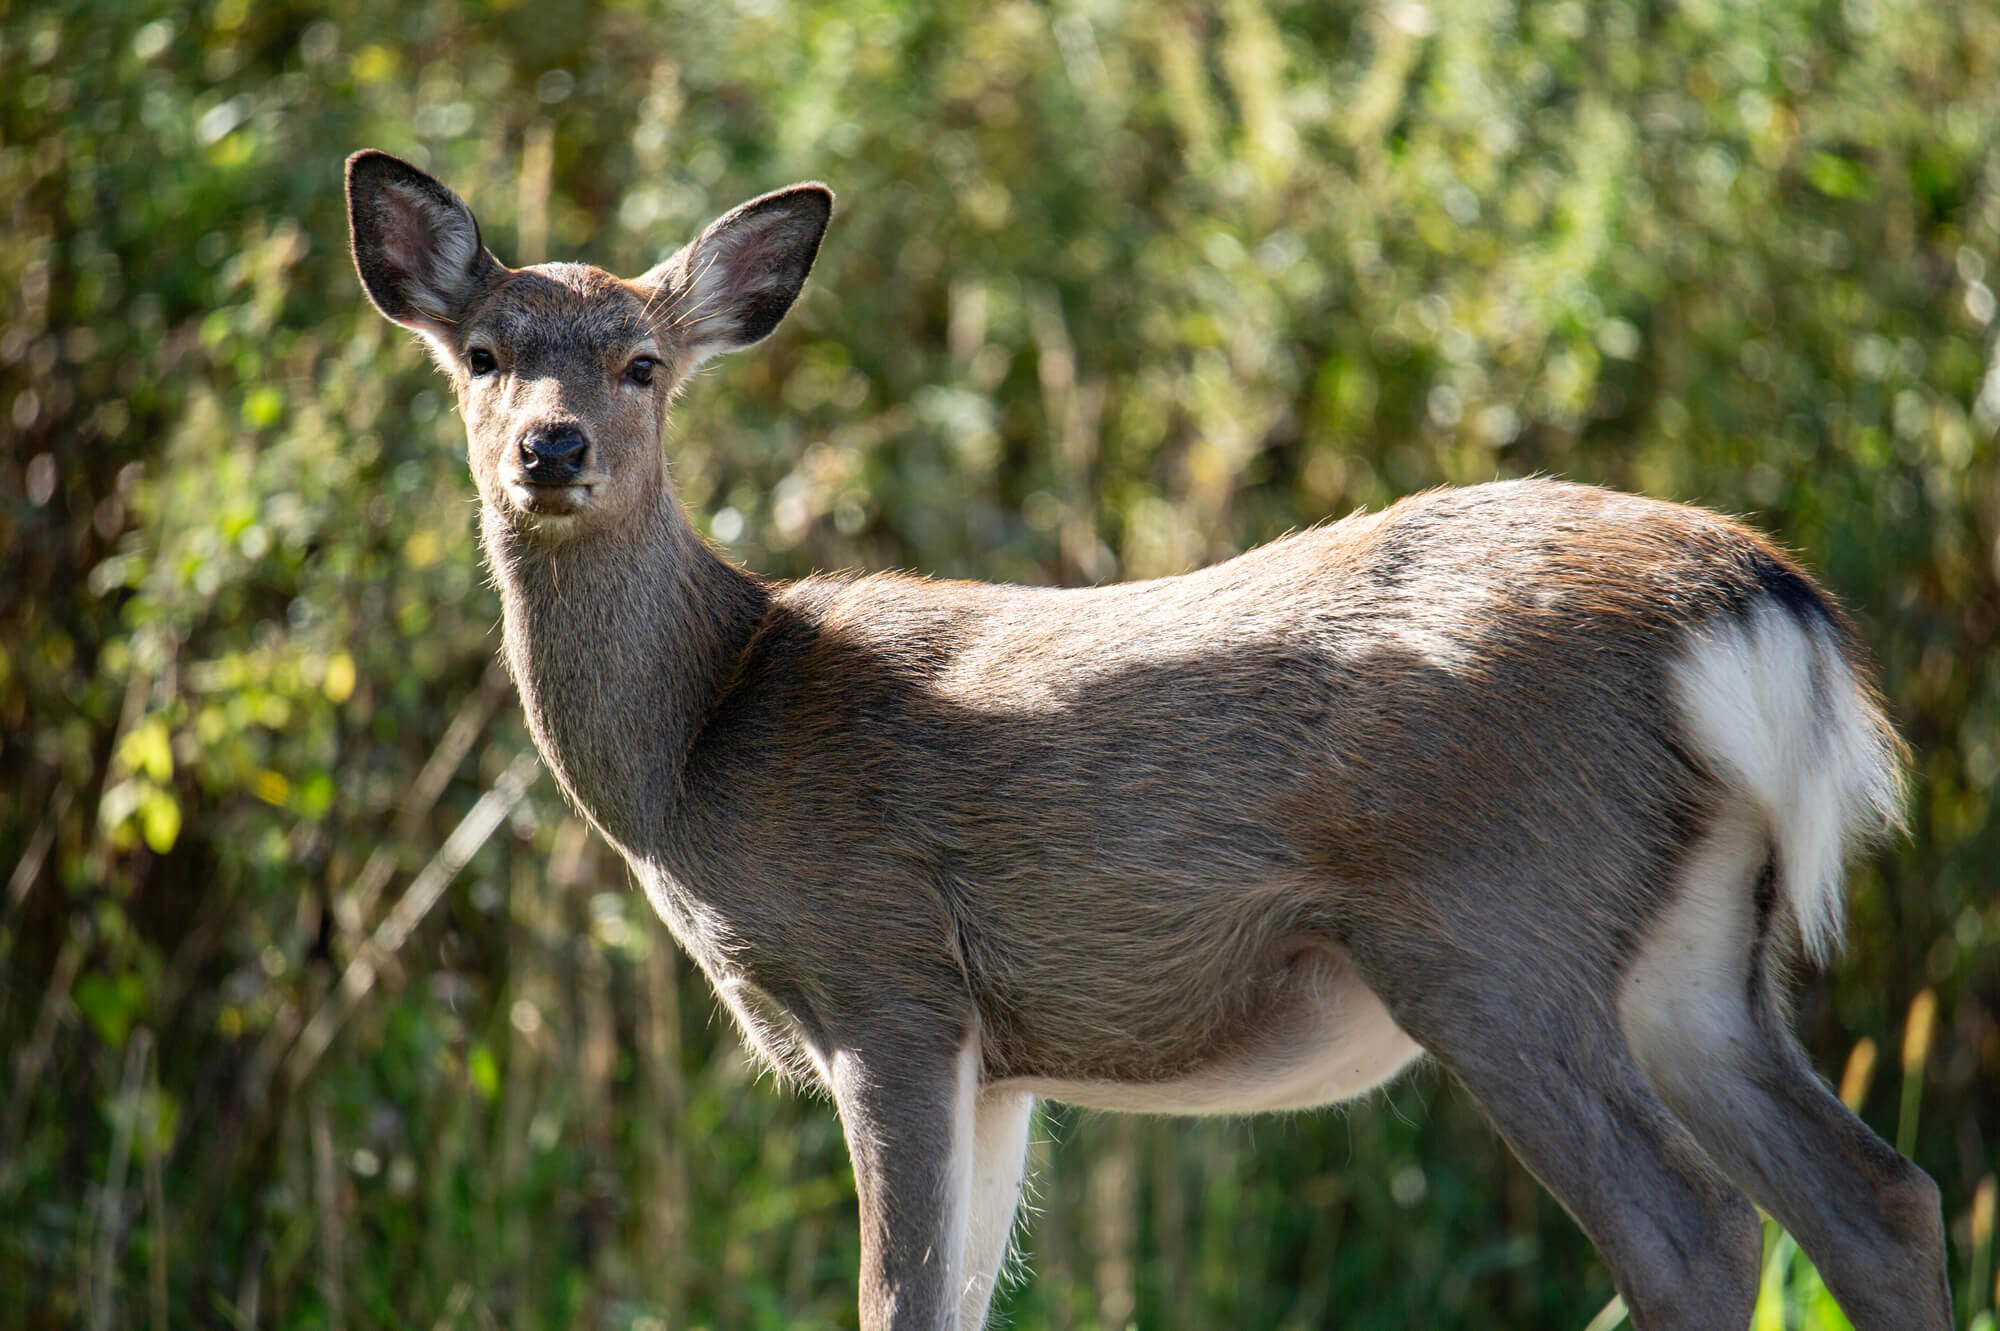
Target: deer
x,y
1544,782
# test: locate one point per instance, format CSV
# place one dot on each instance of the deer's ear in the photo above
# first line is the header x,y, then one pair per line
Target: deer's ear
x,y
416,245
733,284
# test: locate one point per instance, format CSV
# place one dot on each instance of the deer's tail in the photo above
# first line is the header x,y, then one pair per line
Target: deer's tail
x,y
1778,699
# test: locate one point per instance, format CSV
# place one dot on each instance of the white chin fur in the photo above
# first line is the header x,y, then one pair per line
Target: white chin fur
x,y
548,504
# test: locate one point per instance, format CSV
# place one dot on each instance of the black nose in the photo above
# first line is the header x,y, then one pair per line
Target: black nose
x,y
553,454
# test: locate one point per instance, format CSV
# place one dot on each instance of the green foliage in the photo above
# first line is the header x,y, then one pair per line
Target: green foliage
x,y
1112,290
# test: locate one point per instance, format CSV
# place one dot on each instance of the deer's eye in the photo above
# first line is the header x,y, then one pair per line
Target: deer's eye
x,y
640,371
480,361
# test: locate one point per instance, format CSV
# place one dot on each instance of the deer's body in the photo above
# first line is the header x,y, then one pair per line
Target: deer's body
x,y
1534,777
1051,783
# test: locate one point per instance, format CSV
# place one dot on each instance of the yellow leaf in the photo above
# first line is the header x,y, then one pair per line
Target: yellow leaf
x,y
423,548
160,820
271,787
339,683
147,748
374,63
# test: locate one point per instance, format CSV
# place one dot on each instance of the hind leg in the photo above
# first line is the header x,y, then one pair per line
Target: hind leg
x,y
1543,1055
1702,1018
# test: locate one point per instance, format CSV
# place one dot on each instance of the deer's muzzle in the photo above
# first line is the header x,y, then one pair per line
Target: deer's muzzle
x,y
553,455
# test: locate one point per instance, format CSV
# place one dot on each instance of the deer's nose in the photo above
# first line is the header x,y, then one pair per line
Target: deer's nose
x,y
553,454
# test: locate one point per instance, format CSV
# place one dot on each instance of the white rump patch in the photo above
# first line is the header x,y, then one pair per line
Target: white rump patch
x,y
1773,702
1681,1005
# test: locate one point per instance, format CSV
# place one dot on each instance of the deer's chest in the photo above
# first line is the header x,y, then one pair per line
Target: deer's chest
x,y
771,1028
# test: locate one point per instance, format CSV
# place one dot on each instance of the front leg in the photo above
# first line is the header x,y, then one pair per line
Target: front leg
x,y
999,1159
908,1106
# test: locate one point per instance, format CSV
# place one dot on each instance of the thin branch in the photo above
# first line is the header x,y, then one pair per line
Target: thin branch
x,y
156,1206
111,1220
423,892
353,907
28,1063
454,1307
29,867
326,1194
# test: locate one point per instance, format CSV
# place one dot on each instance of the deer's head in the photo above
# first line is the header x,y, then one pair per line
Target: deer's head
x,y
564,372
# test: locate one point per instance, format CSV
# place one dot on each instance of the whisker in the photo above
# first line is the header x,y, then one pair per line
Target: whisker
x,y
689,323
693,283
654,301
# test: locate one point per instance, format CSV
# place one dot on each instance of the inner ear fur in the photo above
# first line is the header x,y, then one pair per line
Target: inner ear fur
x,y
734,283
416,244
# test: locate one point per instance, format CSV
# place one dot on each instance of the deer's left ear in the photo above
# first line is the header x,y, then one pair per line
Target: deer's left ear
x,y
733,284
416,245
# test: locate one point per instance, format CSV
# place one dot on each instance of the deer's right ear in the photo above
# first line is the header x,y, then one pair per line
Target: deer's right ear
x,y
416,245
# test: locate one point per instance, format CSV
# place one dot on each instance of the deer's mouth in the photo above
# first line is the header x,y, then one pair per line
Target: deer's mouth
x,y
549,501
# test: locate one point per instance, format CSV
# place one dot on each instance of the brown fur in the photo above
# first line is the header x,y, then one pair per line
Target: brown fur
x,y
1149,842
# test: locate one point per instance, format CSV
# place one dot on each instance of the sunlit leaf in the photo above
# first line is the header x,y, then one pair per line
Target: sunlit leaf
x,y
160,819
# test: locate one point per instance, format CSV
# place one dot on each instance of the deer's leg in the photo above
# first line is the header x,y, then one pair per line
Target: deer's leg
x,y
1545,1060
1707,1028
1869,1218
999,1157
908,1107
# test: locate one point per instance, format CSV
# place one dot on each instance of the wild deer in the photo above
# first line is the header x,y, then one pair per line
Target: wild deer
x,y
1543,781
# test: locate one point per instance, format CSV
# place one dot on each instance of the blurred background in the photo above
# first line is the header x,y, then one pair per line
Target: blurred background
x,y
319,1010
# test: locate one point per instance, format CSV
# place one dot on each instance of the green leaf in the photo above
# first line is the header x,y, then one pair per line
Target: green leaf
x,y
484,1071
264,406
1837,177
111,1003
313,795
159,1121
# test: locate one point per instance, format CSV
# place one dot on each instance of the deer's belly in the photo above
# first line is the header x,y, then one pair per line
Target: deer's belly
x,y
1336,1044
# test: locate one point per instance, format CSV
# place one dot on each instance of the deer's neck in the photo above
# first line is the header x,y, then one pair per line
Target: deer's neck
x,y
621,643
